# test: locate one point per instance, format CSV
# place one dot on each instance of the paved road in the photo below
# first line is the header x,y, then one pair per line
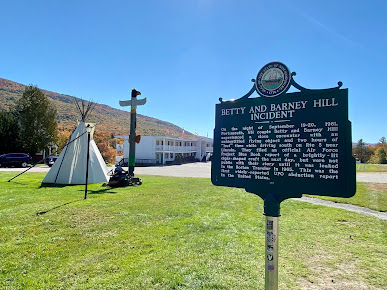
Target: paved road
x,y
371,177
203,170
198,169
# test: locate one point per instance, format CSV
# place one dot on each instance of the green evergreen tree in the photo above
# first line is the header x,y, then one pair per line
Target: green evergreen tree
x,y
382,156
361,151
383,142
36,120
8,132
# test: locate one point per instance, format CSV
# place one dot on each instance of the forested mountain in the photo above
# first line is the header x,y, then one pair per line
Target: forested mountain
x,y
110,120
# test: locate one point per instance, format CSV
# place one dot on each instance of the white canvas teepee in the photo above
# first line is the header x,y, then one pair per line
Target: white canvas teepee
x,y
70,167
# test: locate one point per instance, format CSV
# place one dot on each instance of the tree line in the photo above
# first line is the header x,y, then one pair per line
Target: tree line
x,y
31,126
375,154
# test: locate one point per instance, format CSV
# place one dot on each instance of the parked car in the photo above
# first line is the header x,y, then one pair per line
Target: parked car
x,y
50,160
15,159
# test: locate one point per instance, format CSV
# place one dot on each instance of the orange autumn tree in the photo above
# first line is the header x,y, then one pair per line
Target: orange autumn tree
x,y
106,144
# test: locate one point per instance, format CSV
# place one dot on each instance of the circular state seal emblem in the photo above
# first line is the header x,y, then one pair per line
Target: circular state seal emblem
x,y
273,79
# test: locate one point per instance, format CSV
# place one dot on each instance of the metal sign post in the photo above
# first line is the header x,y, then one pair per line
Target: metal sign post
x,y
281,145
272,212
133,103
271,253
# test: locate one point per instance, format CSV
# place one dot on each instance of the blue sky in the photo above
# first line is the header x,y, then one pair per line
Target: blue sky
x,y
184,55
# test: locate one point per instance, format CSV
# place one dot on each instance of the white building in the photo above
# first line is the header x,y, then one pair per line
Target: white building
x,y
164,149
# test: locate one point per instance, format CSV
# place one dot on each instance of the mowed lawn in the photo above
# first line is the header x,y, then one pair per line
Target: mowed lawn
x,y
177,233
370,195
365,167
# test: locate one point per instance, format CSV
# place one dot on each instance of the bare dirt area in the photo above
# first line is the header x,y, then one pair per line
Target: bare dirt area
x,y
378,186
326,278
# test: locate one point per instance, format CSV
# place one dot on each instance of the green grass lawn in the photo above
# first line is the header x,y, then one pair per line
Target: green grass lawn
x,y
177,233
363,167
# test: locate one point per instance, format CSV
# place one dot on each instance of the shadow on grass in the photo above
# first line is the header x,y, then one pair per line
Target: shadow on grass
x,y
104,190
56,207
43,185
101,191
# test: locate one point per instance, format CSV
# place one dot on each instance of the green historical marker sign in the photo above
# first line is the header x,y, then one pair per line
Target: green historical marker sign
x,y
281,145
287,145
